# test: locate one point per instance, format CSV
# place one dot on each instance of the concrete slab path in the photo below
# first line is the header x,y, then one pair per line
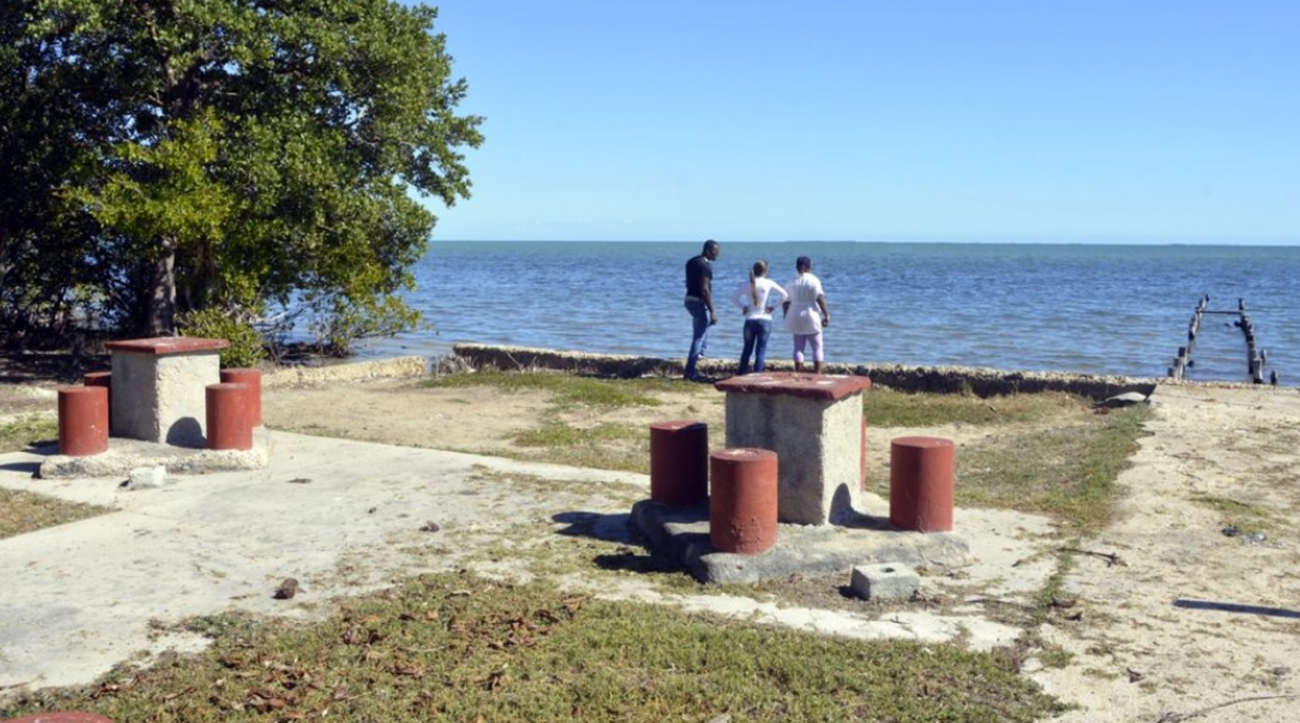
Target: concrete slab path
x,y
341,517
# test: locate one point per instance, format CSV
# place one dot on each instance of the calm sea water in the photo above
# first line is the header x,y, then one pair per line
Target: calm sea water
x,y
1081,308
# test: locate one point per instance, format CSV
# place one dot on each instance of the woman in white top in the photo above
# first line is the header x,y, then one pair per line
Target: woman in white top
x,y
755,300
806,314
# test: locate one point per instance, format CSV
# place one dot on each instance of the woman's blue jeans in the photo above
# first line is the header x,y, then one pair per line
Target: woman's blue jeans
x,y
756,333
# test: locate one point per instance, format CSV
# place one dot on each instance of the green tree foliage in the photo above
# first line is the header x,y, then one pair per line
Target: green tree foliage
x,y
45,135
222,156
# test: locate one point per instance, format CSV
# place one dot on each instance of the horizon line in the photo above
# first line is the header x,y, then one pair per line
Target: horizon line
x,y
1242,244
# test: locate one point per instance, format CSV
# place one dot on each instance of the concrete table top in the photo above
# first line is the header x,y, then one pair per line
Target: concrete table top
x,y
164,345
824,387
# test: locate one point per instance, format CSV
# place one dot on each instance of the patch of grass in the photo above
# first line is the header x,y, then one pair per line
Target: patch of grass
x,y
892,408
1047,600
1067,472
558,434
1055,657
23,433
1244,516
550,486
23,512
456,647
623,447
569,389
214,626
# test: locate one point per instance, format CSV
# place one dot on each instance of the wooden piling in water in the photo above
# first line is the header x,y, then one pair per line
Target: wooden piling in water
x,y
1256,359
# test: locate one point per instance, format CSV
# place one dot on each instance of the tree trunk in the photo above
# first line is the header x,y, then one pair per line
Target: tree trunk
x,y
4,256
161,320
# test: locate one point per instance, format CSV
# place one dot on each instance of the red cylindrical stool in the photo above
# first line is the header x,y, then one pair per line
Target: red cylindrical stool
x,y
253,378
105,380
71,716
230,416
83,421
679,463
742,508
920,483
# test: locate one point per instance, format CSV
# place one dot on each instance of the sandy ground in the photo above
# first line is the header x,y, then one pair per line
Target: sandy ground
x,y
1187,610
1195,623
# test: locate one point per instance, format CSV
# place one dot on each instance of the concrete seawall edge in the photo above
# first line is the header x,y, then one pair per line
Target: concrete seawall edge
x,y
976,380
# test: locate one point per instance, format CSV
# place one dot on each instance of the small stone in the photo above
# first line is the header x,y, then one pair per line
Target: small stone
x,y
145,478
430,526
287,589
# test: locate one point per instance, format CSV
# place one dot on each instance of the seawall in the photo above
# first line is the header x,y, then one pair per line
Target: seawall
x,y
980,381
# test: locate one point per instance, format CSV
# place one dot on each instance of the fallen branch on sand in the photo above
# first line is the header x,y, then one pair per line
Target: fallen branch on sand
x,y
1178,717
1110,557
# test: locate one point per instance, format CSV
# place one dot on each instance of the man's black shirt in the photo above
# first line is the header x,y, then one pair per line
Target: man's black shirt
x,y
697,270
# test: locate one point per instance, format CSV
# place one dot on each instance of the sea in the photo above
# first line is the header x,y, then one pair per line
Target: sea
x,y
1094,309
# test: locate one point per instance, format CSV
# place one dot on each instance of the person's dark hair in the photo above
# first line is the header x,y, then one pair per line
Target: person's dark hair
x,y
760,268
803,263
710,244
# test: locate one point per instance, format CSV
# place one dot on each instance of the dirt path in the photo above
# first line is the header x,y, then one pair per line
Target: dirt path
x,y
1194,618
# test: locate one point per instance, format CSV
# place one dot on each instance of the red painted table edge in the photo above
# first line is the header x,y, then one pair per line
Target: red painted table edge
x,y
823,387
165,345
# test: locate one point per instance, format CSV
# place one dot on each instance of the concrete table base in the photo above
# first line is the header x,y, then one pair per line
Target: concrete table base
x,y
125,455
682,533
159,388
814,424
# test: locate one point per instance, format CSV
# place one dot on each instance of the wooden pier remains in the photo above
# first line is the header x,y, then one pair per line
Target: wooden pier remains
x,y
1256,358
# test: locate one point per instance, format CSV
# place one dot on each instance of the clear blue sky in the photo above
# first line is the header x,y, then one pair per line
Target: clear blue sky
x,y
1145,121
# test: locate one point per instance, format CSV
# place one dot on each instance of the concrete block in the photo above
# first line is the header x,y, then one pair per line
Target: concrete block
x,y
158,388
886,581
817,436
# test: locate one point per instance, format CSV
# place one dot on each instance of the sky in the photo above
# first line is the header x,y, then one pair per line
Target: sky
x,y
1059,121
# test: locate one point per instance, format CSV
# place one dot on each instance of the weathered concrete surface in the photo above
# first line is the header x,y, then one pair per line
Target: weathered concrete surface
x,y
885,581
395,368
125,455
806,550
163,398
340,516
819,445
981,381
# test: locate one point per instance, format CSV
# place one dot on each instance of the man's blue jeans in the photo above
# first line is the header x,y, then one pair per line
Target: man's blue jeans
x,y
699,334
756,333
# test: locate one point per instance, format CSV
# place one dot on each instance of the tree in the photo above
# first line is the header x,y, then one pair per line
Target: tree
x,y
44,134
231,155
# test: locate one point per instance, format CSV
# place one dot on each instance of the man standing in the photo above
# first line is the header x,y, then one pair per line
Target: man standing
x,y
699,303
